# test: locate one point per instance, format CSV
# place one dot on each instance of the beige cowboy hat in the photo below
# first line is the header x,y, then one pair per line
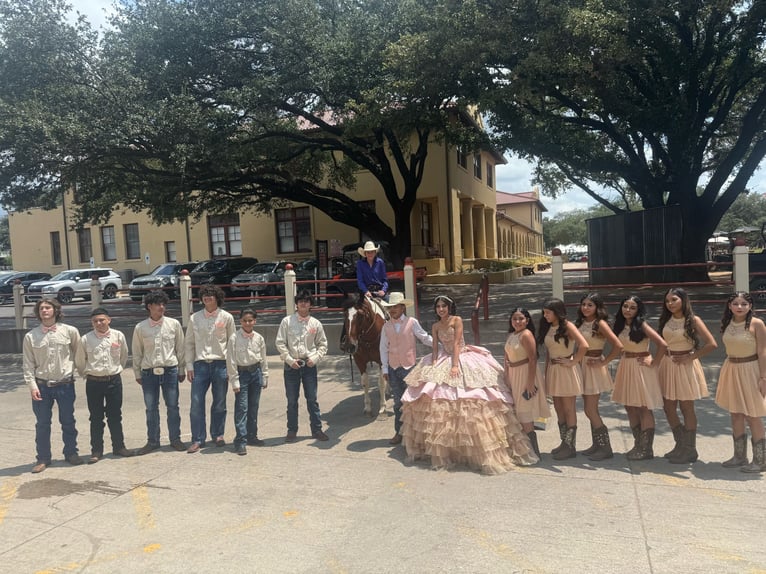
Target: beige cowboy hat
x,y
369,246
396,298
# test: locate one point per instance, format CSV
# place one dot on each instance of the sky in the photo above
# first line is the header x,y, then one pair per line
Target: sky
x,y
514,177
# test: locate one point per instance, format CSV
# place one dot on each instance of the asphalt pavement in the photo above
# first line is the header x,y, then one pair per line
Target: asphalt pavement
x,y
353,504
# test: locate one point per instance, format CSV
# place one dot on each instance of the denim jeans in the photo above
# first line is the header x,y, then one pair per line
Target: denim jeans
x,y
151,385
293,380
246,404
398,386
105,399
64,395
206,375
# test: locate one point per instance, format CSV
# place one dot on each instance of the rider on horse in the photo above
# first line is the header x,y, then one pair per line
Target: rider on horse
x,y
371,275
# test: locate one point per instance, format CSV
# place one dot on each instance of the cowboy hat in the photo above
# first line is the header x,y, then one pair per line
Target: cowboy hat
x,y
369,246
396,298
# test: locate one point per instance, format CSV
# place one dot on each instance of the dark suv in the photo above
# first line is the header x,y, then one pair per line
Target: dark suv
x,y
163,277
7,281
219,272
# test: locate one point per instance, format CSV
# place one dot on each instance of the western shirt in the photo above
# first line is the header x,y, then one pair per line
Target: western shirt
x,y
243,352
102,356
49,356
299,339
207,337
158,345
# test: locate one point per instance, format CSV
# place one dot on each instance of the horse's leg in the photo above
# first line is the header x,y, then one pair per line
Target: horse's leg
x,y
382,390
366,390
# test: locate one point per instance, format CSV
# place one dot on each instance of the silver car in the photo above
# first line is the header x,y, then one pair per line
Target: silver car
x,y
266,278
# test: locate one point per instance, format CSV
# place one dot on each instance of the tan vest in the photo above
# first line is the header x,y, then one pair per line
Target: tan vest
x,y
401,345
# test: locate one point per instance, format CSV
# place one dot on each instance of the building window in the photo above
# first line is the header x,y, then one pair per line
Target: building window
x,y
84,245
462,158
293,230
477,165
426,218
225,236
490,175
108,245
55,247
132,244
170,252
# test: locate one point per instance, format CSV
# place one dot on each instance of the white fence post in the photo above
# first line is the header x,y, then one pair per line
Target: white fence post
x,y
95,292
557,273
410,289
184,285
741,256
18,304
289,289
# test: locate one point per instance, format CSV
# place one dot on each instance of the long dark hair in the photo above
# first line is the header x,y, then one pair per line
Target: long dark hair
x,y
560,310
450,305
523,311
636,332
601,312
686,308
727,314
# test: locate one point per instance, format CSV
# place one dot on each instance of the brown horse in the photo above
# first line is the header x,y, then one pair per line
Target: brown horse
x,y
362,324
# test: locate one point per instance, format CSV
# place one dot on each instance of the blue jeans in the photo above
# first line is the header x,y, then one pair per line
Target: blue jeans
x,y
398,386
207,375
64,395
151,385
293,380
246,403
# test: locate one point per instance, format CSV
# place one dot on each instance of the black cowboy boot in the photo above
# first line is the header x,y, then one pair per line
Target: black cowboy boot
x,y
603,446
740,452
644,450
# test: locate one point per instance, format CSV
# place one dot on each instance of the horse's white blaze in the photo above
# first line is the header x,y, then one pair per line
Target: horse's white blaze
x,y
351,315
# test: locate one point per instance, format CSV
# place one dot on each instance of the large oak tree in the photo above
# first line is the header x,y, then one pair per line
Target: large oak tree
x,y
665,99
193,106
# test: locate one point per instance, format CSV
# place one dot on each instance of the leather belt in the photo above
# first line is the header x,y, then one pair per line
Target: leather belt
x,y
50,384
677,353
594,353
749,359
249,368
519,363
99,379
635,355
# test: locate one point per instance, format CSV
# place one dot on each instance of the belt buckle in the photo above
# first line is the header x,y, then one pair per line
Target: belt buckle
x,y
158,370
50,384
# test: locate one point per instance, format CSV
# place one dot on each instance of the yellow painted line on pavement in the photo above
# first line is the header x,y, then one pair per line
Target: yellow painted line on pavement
x,y
7,493
72,566
143,507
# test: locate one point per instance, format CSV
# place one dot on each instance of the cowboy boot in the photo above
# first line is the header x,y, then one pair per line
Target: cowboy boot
x,y
562,433
636,430
759,457
603,446
678,433
568,450
688,451
644,450
740,452
533,439
594,446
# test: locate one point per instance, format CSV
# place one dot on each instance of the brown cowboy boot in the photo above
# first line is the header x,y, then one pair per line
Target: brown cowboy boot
x,y
603,446
568,450
644,450
562,433
740,452
636,430
678,433
688,450
594,445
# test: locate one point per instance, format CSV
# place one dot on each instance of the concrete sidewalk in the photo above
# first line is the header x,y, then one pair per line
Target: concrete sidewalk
x,y
353,505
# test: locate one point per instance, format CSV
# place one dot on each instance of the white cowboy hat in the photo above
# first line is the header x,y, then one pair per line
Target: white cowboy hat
x,y
396,298
369,246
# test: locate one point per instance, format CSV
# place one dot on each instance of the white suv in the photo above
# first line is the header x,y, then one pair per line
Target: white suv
x,y
75,283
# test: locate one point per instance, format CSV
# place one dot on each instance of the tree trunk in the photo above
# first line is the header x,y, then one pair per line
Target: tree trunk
x,y
697,229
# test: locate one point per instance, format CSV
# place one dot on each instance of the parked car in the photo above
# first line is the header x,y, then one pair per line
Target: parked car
x,y
75,283
254,279
8,280
219,272
163,277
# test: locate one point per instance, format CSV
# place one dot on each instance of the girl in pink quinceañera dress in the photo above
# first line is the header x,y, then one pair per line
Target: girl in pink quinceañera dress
x,y
456,409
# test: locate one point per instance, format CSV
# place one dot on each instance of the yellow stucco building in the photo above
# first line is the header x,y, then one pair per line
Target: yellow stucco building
x,y
454,221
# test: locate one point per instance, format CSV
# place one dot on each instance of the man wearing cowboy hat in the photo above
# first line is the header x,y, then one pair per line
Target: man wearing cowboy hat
x,y
398,350
371,272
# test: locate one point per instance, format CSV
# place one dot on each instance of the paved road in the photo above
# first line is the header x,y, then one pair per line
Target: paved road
x,y
354,505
